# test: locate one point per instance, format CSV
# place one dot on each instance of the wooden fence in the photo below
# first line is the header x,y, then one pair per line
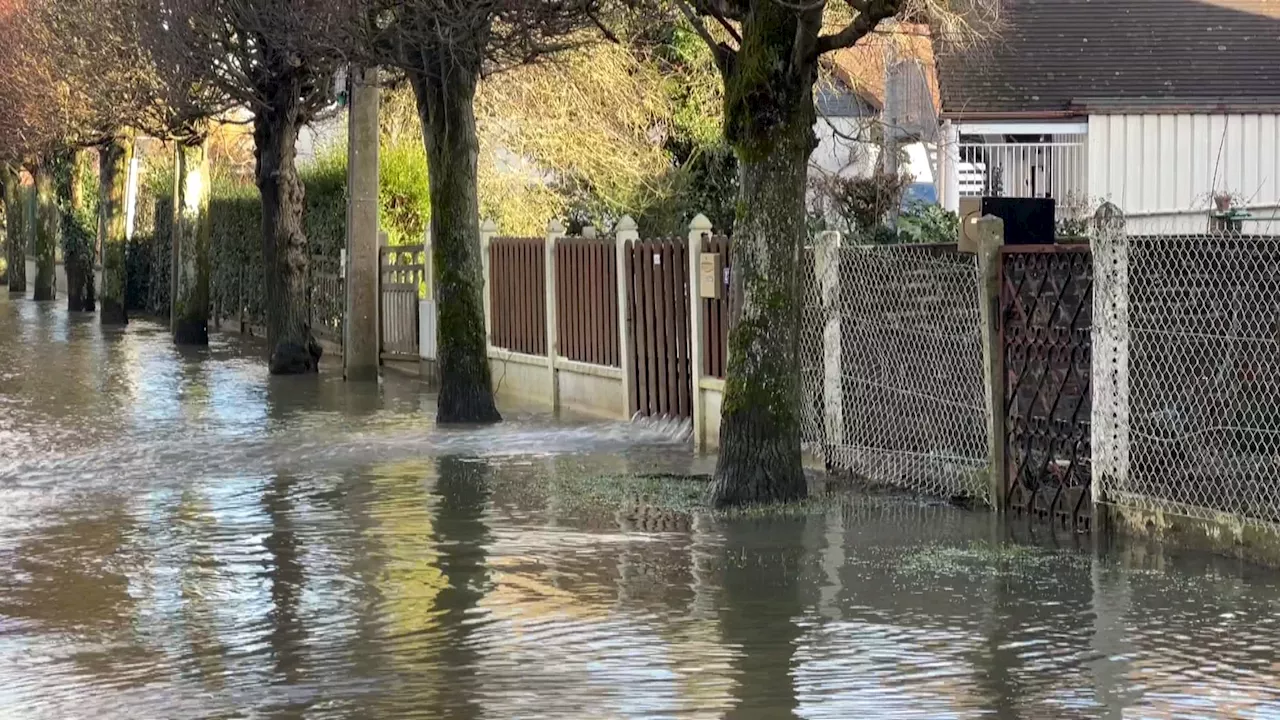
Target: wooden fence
x,y
657,273
400,275
587,301
518,294
715,313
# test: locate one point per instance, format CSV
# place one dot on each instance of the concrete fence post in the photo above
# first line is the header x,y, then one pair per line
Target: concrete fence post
x,y
990,232
826,269
361,346
488,231
555,231
699,229
625,232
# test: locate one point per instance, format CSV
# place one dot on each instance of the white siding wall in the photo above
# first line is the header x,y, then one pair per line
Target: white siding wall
x,y
838,153
1163,170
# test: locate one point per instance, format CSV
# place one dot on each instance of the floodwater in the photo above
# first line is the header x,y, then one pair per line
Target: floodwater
x,y
182,536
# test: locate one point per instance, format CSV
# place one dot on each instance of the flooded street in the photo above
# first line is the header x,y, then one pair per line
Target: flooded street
x,y
182,536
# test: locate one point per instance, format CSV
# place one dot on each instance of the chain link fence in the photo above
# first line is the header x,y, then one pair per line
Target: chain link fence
x,y
893,367
1187,350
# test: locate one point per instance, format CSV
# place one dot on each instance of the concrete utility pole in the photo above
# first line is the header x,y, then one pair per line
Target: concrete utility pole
x,y
360,342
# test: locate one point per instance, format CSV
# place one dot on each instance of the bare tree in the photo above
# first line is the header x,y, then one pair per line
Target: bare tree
x,y
445,47
276,59
768,53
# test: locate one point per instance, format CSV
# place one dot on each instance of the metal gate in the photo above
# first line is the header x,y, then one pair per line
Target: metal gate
x,y
400,274
327,298
1046,312
658,325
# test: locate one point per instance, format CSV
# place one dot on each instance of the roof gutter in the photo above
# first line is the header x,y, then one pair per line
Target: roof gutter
x,y
1178,107
1013,115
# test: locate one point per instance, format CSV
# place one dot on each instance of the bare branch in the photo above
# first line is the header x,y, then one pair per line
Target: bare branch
x,y
718,50
870,14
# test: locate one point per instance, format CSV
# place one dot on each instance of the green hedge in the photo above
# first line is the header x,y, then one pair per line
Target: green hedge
x,y
236,208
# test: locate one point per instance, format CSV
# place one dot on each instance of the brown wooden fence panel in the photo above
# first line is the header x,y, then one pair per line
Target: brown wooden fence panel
x,y
715,313
400,279
587,301
518,295
658,323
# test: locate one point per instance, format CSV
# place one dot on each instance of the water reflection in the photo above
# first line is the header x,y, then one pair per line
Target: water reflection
x,y
184,536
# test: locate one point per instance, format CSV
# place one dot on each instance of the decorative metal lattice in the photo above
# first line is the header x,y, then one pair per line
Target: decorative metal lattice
x,y
1187,363
892,366
1046,309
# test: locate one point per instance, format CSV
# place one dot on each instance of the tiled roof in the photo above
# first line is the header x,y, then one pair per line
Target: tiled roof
x,y
1055,55
862,67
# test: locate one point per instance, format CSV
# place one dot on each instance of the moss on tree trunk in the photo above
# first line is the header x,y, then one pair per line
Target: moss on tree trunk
x,y
192,234
293,348
77,232
445,90
113,177
47,221
769,117
15,235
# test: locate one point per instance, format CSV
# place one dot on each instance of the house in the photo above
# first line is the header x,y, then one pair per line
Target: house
x,y
1162,107
881,92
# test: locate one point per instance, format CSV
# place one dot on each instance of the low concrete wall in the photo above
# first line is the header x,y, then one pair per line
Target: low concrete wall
x,y
520,376
593,389
710,397
578,387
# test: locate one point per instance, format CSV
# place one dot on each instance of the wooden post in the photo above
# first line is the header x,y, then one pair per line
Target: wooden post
x,y
990,240
555,231
623,233
698,230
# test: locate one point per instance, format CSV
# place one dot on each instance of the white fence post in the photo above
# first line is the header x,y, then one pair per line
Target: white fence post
x,y
990,240
698,229
1110,368
427,327
555,231
488,230
826,261
950,151
625,232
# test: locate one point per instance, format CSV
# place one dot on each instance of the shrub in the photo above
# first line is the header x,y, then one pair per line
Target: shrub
x,y
928,223
854,206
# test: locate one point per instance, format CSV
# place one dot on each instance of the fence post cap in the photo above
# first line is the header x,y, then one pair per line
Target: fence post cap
x,y
555,227
488,226
700,223
626,222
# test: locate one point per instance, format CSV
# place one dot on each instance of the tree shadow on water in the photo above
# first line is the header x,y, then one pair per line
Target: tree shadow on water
x,y
767,580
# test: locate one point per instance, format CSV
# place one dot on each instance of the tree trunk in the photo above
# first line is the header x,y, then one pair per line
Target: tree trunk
x,y
769,119
8,221
47,221
78,254
445,91
293,348
113,177
192,233
15,232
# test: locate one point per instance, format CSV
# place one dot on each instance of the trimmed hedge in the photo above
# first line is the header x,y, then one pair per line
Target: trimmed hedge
x,y
236,208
